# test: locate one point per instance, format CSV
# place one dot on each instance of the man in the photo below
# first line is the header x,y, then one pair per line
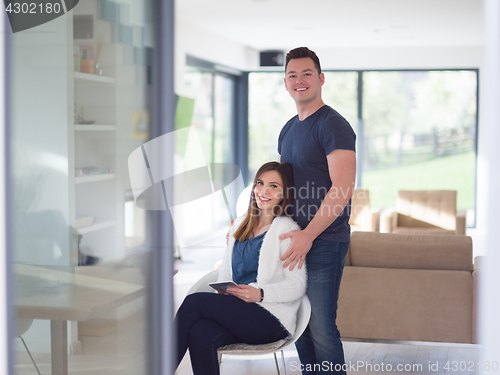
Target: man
x,y
320,145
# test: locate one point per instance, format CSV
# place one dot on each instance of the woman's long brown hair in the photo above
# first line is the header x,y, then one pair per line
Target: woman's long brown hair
x,y
251,220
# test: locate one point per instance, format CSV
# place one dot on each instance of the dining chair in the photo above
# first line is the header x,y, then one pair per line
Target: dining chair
x,y
303,317
22,325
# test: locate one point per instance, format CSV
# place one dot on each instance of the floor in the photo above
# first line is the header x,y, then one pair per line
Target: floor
x,y
366,358
121,351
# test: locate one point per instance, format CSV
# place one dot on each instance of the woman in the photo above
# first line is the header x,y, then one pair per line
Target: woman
x,y
263,308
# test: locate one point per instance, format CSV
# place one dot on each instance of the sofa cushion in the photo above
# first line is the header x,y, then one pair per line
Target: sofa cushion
x,y
407,251
407,230
413,305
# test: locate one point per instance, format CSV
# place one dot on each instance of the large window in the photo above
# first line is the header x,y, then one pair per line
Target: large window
x,y
270,107
415,130
208,122
420,133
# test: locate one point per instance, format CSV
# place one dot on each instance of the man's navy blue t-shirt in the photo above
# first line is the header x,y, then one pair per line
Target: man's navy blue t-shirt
x,y
305,145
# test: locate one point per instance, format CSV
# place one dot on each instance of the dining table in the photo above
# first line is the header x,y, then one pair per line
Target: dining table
x,y
64,294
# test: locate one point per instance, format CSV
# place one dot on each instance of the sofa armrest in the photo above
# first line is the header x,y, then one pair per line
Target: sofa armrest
x,y
387,218
461,222
476,274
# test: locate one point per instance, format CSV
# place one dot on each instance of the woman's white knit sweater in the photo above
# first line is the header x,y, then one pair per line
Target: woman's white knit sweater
x,y
283,288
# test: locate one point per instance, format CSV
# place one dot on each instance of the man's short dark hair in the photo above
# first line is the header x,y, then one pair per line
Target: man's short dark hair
x,y
300,53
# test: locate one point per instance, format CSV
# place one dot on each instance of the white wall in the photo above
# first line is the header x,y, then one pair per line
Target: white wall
x,y
196,42
192,40
5,311
489,323
402,58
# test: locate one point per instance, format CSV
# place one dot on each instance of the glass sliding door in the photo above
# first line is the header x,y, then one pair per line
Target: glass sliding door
x,y
200,86
81,105
209,125
224,89
224,120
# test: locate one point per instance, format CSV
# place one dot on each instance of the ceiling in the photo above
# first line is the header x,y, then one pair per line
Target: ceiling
x,y
285,24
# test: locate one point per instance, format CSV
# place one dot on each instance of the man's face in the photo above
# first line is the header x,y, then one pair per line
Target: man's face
x,y
303,81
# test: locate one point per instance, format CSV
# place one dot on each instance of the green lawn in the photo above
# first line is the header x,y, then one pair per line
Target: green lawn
x,y
447,173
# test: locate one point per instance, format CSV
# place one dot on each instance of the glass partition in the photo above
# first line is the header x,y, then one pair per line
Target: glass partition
x,y
81,103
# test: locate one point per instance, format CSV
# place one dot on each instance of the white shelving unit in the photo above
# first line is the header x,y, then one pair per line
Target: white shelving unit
x,y
94,178
94,144
94,128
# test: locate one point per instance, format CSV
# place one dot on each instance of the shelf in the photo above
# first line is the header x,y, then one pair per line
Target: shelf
x,y
97,226
93,77
93,178
94,128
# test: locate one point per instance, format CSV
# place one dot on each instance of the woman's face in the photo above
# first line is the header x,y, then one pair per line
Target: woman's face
x,y
268,190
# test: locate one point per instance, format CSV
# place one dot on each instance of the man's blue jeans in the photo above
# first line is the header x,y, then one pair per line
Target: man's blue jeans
x,y
320,349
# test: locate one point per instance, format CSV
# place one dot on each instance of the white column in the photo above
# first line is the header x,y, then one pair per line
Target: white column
x,y
5,310
489,316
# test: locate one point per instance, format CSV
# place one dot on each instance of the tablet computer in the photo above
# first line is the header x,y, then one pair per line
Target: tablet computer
x,y
223,285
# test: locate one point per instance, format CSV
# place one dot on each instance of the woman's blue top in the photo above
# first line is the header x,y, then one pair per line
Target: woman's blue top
x,y
245,260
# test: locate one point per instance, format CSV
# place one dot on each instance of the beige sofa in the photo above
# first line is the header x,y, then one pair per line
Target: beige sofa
x,y
409,287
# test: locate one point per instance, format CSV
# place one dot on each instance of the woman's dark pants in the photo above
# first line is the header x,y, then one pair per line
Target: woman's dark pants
x,y
207,321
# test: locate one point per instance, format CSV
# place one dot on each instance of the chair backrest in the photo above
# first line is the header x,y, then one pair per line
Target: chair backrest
x,y
303,316
22,325
202,284
427,208
243,200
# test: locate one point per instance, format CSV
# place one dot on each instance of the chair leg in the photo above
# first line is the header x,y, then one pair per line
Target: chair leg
x,y
284,364
276,362
32,360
